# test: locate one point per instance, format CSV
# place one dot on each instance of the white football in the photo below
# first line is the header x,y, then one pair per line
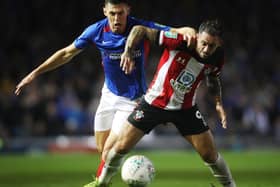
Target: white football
x,y
137,171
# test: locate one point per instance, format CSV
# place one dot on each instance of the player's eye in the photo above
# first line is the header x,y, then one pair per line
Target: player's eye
x,y
203,43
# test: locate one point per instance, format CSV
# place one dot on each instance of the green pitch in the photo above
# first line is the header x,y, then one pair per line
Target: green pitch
x,y
173,169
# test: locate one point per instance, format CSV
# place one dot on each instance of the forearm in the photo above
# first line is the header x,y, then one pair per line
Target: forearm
x,y
54,61
59,58
184,30
137,34
215,88
214,84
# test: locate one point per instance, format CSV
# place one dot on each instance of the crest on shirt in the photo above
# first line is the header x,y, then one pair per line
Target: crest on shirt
x,y
139,114
181,60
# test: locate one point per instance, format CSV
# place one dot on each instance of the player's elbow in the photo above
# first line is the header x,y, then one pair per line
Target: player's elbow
x,y
69,51
138,28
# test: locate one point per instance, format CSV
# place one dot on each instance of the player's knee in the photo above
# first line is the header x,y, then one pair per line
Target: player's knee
x,y
209,156
99,148
104,154
121,147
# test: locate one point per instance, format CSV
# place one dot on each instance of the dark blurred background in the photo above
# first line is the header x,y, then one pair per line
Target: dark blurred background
x,y
63,102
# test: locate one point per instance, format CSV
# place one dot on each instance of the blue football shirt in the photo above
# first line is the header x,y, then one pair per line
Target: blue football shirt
x,y
111,46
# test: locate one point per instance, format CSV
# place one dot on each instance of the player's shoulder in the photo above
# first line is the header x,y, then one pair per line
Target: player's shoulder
x,y
138,21
96,27
99,24
132,21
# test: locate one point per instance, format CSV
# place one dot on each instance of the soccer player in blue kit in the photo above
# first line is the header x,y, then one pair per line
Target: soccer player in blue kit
x,y
121,89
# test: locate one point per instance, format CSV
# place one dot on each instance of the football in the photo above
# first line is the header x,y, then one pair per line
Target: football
x,y
137,171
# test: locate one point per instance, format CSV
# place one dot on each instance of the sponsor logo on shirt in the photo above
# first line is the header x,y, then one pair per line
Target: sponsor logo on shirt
x,y
117,56
183,83
172,35
181,60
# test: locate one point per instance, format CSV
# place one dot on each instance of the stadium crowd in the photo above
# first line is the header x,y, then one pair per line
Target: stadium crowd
x,y
64,101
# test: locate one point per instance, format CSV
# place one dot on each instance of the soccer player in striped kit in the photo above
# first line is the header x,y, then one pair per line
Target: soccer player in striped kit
x,y
171,96
120,90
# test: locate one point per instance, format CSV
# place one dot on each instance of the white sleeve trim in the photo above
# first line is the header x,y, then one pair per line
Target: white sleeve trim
x,y
161,37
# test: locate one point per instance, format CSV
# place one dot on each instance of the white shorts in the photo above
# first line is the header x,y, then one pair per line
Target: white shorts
x,y
112,111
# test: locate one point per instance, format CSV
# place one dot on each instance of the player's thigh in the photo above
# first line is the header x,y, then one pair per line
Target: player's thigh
x,y
204,144
106,109
189,121
108,125
104,116
118,122
103,122
128,138
146,117
120,118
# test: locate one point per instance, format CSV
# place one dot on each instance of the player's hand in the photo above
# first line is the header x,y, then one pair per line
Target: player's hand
x,y
222,114
191,40
127,63
25,81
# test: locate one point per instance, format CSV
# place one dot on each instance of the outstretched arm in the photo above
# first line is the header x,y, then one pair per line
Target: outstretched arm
x,y
59,58
215,88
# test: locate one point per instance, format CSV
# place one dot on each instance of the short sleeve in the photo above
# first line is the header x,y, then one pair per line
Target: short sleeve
x,y
86,38
171,40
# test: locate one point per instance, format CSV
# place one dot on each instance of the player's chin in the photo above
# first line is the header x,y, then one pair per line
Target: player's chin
x,y
204,55
118,29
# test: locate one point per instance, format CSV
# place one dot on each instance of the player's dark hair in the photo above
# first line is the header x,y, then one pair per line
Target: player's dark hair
x,y
212,27
115,2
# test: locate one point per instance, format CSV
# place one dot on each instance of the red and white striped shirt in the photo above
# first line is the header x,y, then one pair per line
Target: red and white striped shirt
x,y
179,73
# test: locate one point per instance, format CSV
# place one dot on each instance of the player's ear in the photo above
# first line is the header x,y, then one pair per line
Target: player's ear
x,y
128,10
105,11
220,42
